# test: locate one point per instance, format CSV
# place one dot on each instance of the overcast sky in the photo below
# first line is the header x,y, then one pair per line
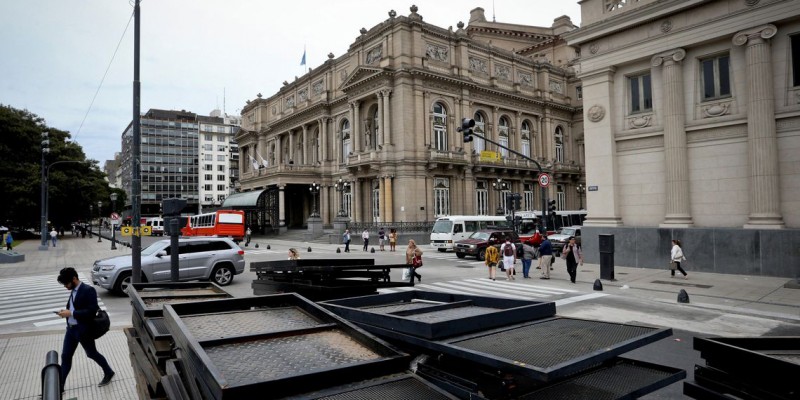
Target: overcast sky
x,y
196,55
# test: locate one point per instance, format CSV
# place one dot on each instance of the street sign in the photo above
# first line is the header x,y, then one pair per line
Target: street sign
x,y
114,216
145,230
126,230
490,156
544,180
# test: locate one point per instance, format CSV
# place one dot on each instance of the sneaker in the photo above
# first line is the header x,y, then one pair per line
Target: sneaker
x,y
686,277
106,379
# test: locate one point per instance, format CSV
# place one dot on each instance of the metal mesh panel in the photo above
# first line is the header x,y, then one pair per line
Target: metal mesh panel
x,y
390,308
268,359
243,323
453,313
164,292
552,342
607,383
792,358
403,389
158,302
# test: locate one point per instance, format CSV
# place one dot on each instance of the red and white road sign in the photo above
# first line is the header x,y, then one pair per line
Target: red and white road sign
x,y
544,180
114,216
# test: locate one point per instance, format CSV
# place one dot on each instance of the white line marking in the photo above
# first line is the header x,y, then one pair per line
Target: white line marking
x,y
576,299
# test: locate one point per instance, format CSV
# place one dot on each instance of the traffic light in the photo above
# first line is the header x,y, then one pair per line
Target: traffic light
x,y
552,208
466,128
517,201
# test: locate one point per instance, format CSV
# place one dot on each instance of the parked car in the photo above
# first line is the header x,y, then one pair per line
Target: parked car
x,y
200,258
476,244
560,239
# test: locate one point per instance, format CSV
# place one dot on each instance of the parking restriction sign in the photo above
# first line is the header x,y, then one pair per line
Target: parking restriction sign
x,y
544,180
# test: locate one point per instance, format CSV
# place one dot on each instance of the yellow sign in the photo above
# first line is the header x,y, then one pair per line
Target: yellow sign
x,y
145,230
490,156
126,230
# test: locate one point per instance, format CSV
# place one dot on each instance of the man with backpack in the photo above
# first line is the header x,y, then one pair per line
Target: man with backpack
x,y
509,252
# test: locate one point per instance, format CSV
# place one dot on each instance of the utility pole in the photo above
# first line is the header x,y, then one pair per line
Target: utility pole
x,y
136,166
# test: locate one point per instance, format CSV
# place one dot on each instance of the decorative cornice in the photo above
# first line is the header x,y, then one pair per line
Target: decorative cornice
x,y
762,32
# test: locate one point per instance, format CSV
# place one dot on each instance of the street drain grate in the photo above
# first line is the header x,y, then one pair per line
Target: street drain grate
x,y
684,283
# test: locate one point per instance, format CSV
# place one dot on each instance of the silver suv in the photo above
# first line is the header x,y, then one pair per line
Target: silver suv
x,y
206,258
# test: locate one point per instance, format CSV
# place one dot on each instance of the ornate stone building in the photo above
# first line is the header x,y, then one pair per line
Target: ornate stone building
x,y
693,131
377,126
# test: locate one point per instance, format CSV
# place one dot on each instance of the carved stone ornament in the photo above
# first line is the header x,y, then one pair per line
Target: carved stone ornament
x,y
476,64
302,95
525,79
502,71
374,55
343,75
717,110
640,121
438,53
274,110
556,86
593,48
676,55
764,32
317,87
392,13
290,102
596,113
666,26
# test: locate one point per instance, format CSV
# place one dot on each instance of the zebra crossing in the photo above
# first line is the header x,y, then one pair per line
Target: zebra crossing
x,y
505,289
32,299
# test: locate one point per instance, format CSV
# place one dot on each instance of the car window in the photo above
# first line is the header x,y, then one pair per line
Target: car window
x,y
200,247
577,232
219,245
458,228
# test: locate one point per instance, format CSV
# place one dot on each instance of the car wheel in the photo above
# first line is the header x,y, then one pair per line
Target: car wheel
x,y
122,284
460,255
482,255
222,275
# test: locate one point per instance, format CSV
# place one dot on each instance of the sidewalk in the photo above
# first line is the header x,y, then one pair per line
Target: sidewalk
x,y
22,355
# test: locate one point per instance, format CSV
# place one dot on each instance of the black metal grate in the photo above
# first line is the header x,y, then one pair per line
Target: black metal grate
x,y
606,383
391,308
792,358
158,302
267,359
251,322
403,389
450,314
553,342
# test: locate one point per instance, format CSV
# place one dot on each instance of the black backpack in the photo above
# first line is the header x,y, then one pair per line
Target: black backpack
x,y
508,251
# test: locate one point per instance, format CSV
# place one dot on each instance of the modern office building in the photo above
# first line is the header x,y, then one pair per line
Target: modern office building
x,y
377,127
183,155
692,129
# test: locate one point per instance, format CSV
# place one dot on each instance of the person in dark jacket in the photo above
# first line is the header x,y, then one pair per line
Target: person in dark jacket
x,y
79,314
545,257
572,253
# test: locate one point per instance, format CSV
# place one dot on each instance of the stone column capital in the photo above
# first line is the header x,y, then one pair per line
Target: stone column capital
x,y
755,35
671,56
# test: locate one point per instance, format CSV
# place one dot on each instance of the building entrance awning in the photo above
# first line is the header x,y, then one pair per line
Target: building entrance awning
x,y
243,200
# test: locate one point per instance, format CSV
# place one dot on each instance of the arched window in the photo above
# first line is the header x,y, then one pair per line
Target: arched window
x,y
480,128
525,135
559,145
503,135
346,142
439,127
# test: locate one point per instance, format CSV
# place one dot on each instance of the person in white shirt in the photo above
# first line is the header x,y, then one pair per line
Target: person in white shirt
x,y
53,236
676,256
365,236
509,253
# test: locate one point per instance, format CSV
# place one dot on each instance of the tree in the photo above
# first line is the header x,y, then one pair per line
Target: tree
x,y
72,186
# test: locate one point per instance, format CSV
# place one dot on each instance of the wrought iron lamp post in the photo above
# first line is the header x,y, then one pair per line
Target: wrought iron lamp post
x,y
91,212
341,186
99,220
500,185
314,189
581,190
113,197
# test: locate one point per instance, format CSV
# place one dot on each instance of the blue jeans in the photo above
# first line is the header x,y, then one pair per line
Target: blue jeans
x,y
74,336
526,267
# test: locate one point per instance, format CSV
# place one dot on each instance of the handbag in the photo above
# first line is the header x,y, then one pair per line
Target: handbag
x,y
416,261
100,324
672,265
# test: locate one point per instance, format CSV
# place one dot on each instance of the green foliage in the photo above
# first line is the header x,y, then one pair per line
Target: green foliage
x,y
73,185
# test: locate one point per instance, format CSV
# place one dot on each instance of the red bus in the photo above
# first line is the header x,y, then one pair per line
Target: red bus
x,y
222,223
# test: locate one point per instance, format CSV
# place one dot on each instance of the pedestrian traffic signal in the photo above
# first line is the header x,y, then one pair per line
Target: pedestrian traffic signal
x,y
552,208
517,201
466,128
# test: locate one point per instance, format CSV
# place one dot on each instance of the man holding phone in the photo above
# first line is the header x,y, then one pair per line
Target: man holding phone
x,y
79,313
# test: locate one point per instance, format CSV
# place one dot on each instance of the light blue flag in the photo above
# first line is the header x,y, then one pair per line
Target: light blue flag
x,y
303,61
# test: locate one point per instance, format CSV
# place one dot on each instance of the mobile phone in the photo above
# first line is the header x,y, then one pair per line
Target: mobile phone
x,y
56,312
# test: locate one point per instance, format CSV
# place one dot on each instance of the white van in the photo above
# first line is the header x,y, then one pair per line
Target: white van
x,y
448,230
156,225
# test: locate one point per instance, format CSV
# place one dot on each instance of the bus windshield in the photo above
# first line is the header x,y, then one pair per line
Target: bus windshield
x,y
444,226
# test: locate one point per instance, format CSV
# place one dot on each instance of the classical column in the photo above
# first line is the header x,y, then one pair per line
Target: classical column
x,y
387,118
382,199
325,205
278,150
281,206
323,139
389,201
675,154
305,145
355,187
355,128
762,141
291,145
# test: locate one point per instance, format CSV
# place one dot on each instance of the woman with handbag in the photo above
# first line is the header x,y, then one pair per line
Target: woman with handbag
x,y
413,260
676,256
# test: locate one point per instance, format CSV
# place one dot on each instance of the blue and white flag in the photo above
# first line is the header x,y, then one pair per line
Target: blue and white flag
x,y
303,61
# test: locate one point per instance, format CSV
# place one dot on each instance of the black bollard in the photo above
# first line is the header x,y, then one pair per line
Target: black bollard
x,y
338,250
309,249
246,244
256,245
373,250
268,247
51,377
683,297
598,285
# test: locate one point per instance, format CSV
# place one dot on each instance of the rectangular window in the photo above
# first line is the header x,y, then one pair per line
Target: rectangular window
x,y
221,178
208,157
208,187
208,167
208,147
579,92
716,77
526,147
221,188
641,93
221,148
503,142
209,177
527,195
795,39
440,138
441,196
209,137
482,202
221,168
221,157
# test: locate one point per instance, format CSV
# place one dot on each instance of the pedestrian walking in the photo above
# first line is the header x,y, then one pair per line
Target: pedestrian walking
x,y
676,256
393,239
509,252
545,257
9,241
528,254
491,258
346,240
381,238
413,260
247,235
294,254
365,237
79,314
572,253
53,236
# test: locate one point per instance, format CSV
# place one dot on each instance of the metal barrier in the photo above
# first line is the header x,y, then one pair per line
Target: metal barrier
x,y
51,377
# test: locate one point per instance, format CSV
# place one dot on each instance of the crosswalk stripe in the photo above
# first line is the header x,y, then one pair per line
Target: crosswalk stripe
x,y
36,310
576,299
494,286
480,291
530,288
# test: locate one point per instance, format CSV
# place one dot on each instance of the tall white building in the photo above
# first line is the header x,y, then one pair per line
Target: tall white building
x,y
219,155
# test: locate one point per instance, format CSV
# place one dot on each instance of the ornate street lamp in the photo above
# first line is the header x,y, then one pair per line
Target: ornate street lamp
x,y
99,219
341,186
581,190
113,197
314,189
500,185
91,212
